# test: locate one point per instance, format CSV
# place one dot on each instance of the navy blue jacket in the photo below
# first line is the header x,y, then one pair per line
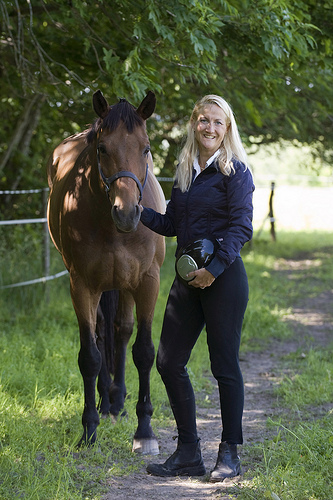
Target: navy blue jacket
x,y
216,206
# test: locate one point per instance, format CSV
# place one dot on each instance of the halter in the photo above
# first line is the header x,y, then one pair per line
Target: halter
x,y
107,181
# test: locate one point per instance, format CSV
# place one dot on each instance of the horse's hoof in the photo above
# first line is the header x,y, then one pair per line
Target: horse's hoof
x,y
113,419
88,438
83,444
145,446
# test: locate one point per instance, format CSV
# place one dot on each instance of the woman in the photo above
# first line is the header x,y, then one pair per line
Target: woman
x,y
212,199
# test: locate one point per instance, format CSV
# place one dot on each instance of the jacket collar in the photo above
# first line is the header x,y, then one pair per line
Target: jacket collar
x,y
209,162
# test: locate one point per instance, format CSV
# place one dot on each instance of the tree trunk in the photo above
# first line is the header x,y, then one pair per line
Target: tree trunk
x,y
23,125
24,144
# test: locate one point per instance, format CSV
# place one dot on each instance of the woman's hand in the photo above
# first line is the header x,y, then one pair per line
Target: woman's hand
x,y
202,278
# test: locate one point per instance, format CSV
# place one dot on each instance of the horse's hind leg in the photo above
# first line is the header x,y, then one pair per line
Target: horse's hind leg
x,y
105,342
104,378
123,329
143,356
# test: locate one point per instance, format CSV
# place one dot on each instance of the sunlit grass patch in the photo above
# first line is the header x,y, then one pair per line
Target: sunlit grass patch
x,y
295,465
312,380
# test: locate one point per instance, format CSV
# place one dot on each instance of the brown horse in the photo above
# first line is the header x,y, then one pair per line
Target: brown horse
x,y
97,179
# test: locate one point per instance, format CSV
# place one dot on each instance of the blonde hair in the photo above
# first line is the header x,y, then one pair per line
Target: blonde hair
x,y
231,147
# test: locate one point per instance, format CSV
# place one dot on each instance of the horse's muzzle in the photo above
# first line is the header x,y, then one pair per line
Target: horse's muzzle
x,y
126,221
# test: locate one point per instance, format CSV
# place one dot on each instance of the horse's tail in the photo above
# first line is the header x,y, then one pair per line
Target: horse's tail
x,y
109,304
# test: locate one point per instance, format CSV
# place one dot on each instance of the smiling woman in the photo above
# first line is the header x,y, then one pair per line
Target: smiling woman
x,y
211,201
209,130
222,131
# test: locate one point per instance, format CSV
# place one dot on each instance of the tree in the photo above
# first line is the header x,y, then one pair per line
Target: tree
x,y
272,60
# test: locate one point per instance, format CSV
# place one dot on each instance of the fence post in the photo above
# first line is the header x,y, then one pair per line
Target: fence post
x,y
271,214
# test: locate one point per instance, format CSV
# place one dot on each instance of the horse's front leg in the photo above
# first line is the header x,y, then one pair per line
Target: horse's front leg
x,y
143,356
90,359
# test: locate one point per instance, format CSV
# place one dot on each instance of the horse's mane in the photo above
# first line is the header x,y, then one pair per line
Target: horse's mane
x,y
124,111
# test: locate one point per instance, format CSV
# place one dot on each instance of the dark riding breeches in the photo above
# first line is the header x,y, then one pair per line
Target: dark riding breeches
x,y
221,308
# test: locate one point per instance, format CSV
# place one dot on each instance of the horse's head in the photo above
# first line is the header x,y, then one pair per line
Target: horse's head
x,y
122,148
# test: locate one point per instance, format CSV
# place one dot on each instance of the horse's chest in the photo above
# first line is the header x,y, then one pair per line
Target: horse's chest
x,y
115,268
126,270
101,255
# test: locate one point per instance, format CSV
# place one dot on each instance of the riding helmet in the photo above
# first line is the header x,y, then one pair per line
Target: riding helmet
x,y
193,256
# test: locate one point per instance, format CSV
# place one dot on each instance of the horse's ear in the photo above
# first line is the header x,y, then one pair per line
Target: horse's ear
x,y
146,108
100,104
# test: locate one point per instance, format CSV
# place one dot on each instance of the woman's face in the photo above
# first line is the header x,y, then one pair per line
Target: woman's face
x,y
210,129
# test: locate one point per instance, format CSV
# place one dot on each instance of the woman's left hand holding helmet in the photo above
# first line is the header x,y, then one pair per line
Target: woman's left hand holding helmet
x,y
202,278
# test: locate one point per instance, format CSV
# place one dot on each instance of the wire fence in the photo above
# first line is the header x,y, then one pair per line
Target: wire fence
x,y
46,236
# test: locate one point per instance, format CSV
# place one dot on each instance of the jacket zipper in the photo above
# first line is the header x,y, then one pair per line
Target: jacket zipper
x,y
187,201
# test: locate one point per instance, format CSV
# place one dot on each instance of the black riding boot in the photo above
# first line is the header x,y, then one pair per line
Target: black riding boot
x,y
185,461
227,464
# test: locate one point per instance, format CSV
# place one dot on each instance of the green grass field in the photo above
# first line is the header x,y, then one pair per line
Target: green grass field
x,y
41,395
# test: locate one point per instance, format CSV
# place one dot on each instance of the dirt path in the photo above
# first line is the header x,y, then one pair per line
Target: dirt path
x,y
313,326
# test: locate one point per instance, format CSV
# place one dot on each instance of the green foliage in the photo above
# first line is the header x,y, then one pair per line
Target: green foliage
x,y
271,60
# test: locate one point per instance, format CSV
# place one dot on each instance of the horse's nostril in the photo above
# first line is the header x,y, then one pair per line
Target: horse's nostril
x,y
125,220
115,212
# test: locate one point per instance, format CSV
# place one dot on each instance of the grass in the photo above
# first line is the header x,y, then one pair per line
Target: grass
x,y
297,463
313,385
41,395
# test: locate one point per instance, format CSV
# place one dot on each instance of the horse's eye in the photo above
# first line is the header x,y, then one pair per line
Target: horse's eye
x,y
102,149
146,151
